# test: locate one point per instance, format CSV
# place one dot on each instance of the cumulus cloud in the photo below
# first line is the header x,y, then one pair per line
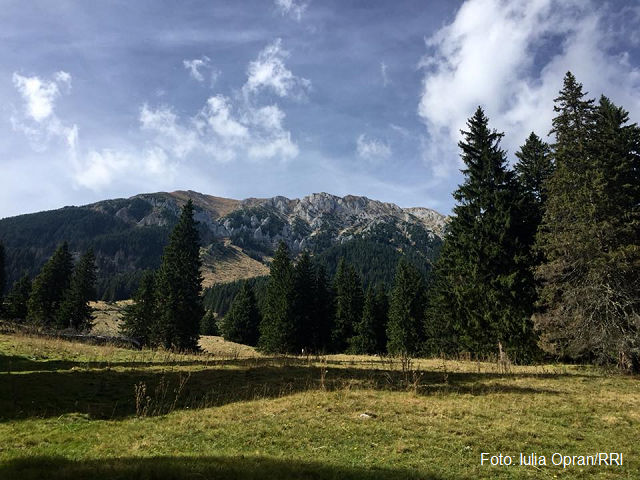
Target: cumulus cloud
x,y
489,55
291,8
372,149
38,120
194,67
269,73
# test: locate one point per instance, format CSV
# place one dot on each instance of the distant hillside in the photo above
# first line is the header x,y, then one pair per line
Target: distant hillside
x,y
238,236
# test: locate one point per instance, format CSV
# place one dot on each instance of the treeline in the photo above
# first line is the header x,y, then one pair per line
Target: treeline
x,y
58,298
303,311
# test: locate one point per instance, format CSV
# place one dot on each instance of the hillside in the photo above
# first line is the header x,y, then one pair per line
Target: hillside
x,y
238,236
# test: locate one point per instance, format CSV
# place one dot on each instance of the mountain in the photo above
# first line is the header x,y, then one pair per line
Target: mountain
x,y
238,236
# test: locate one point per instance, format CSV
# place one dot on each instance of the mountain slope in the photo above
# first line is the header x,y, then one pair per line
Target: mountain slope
x,y
238,236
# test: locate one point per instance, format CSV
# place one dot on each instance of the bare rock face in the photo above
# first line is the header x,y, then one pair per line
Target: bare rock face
x,y
301,223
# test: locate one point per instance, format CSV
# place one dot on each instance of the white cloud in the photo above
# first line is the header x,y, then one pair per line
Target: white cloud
x,y
39,121
194,67
385,77
372,149
291,8
39,95
101,168
269,73
487,56
63,78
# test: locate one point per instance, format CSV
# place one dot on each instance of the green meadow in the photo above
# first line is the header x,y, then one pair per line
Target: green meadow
x,y
71,410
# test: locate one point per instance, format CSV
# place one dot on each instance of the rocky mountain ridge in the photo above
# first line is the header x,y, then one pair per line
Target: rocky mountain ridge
x,y
312,222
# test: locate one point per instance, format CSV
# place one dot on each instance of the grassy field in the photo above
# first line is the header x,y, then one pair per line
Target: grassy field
x,y
70,410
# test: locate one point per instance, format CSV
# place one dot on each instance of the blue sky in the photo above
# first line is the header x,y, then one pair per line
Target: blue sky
x,y
284,97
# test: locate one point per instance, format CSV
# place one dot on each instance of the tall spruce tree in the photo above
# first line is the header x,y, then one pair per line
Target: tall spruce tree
x,y
278,332
74,310
140,317
17,298
179,286
478,298
305,301
49,287
349,301
589,234
406,311
241,324
322,322
371,335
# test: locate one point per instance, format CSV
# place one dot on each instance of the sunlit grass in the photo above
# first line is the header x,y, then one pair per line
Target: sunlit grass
x,y
68,410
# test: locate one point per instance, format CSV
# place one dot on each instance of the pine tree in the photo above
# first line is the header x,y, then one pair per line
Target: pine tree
x,y
17,298
209,324
478,299
74,310
322,323
179,286
406,311
140,317
278,332
349,300
49,287
242,322
589,234
371,336
305,301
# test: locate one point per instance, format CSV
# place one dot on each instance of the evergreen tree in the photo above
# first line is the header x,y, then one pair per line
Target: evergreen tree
x,y
589,234
371,335
209,324
49,287
322,322
481,296
242,322
406,311
17,298
349,300
140,317
179,286
74,310
533,169
305,301
278,332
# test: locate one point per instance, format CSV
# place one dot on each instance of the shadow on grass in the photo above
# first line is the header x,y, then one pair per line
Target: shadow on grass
x,y
170,468
109,393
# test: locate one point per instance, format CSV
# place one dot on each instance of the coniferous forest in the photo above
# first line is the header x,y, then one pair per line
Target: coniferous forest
x,y
541,258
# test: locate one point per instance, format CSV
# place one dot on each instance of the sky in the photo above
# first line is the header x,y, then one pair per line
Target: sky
x,y
286,97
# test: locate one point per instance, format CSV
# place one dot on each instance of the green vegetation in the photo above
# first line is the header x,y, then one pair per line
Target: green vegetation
x,y
120,247
278,330
49,287
178,287
242,323
75,311
589,234
71,411
139,317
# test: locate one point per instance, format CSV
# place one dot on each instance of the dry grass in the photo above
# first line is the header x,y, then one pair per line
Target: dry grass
x,y
230,268
69,410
